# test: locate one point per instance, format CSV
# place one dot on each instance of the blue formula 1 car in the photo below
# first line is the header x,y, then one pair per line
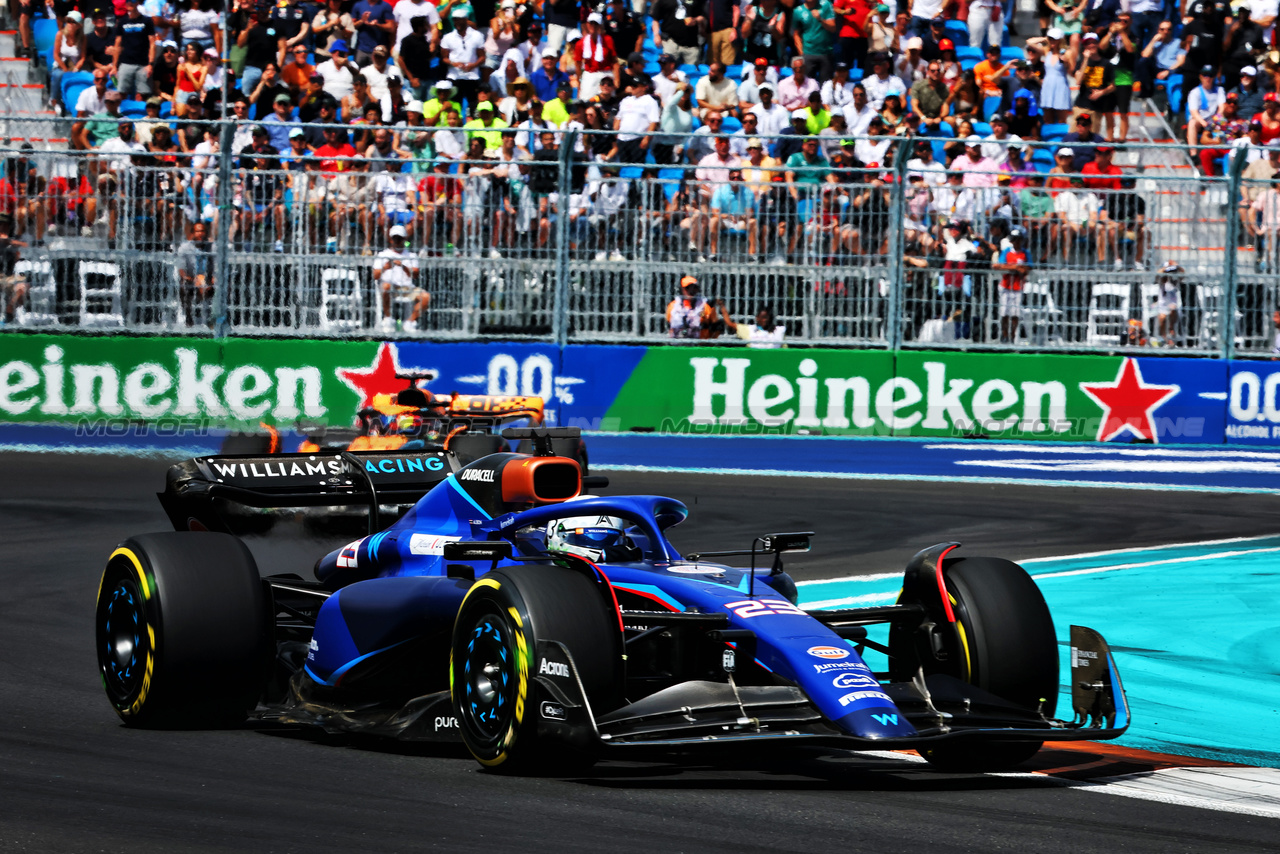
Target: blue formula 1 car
x,y
540,625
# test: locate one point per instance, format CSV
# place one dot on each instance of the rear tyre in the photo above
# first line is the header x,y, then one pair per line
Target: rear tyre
x,y
182,630
1009,648
494,660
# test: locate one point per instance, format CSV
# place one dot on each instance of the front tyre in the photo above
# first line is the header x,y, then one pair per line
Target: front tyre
x,y
1008,647
493,661
182,630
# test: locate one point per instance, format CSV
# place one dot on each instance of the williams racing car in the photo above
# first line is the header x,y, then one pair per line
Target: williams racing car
x,y
542,626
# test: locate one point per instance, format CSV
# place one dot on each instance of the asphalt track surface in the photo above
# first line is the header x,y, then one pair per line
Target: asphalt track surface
x,y
73,779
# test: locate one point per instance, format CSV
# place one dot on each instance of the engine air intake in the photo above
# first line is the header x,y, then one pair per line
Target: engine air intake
x,y
541,479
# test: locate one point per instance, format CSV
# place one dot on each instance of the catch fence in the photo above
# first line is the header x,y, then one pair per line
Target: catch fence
x,y
568,243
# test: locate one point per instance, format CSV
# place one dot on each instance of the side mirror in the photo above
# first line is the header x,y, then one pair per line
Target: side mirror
x,y
797,541
494,551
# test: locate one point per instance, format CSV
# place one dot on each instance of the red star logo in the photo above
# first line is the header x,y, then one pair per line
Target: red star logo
x,y
379,378
1128,403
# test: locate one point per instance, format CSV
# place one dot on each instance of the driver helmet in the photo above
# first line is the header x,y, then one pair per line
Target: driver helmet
x,y
597,538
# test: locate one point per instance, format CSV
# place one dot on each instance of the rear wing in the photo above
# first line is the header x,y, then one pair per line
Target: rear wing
x,y
195,490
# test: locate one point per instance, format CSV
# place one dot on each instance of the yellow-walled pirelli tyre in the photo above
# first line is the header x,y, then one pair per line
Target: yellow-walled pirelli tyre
x,y
494,661
183,630
1008,647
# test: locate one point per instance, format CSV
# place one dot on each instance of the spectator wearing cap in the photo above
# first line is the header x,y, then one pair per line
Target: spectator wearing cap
x,y
1025,119
772,118
150,121
1204,102
668,79
548,78
980,173
609,98
1250,145
996,146
515,107
880,83
375,24
991,75
1250,93
529,131
134,47
1024,79
764,31
487,125
678,28
338,73
793,92
628,73
101,126
838,91
881,35
277,124
929,99
395,269
557,110
99,43
923,163
1015,262
1161,56
68,53
813,27
1220,133
1081,142
462,50
832,134
636,121
1269,118
932,34
749,89
791,139
716,92
417,50
910,66
595,56
689,315
379,72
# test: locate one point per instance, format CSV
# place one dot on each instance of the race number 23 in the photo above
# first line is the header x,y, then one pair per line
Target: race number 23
x,y
759,608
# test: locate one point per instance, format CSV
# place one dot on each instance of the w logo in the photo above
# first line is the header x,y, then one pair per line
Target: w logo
x,y
886,720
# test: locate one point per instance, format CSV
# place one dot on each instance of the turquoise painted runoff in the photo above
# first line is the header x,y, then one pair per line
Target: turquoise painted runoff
x,y
1195,629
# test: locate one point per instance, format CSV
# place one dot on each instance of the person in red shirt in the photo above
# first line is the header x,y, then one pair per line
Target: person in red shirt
x,y
440,202
334,155
594,56
1101,173
1269,118
1014,262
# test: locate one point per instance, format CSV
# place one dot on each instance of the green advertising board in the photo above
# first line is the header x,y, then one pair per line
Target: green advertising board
x,y
67,379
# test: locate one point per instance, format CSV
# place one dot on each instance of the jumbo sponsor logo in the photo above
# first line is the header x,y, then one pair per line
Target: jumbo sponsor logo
x,y
477,475
445,722
313,467
856,680
180,385
828,652
553,668
841,665
807,401
858,696
1253,404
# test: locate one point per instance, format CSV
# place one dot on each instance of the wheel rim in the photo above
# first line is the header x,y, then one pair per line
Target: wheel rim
x,y
488,676
122,640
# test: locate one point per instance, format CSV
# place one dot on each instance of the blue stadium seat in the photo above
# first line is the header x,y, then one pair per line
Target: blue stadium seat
x,y
704,70
44,31
691,71
631,172
133,109
982,128
1011,53
939,150
990,105
957,31
652,68
73,83
734,72
166,109
1053,132
785,71
1042,157
968,64
729,124
966,52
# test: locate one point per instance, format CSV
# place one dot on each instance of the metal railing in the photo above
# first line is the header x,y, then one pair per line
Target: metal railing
x,y
566,245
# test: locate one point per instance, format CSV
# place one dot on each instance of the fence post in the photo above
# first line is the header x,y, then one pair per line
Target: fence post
x,y
222,282
1230,263
560,318
897,214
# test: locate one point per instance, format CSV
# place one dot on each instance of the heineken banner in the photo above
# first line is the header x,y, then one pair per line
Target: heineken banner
x,y
88,381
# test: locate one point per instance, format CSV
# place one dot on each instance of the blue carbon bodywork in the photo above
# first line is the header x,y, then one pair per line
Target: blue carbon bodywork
x,y
398,589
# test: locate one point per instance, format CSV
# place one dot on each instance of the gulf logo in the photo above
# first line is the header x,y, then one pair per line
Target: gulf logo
x,y
828,652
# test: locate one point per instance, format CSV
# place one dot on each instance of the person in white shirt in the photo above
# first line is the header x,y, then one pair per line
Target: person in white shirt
x,y
873,150
996,146
338,73
378,72
749,88
93,99
716,92
406,10
934,173
601,203
666,83
463,52
859,115
636,120
765,334
911,66
882,84
394,269
838,91
772,118
451,140
954,201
